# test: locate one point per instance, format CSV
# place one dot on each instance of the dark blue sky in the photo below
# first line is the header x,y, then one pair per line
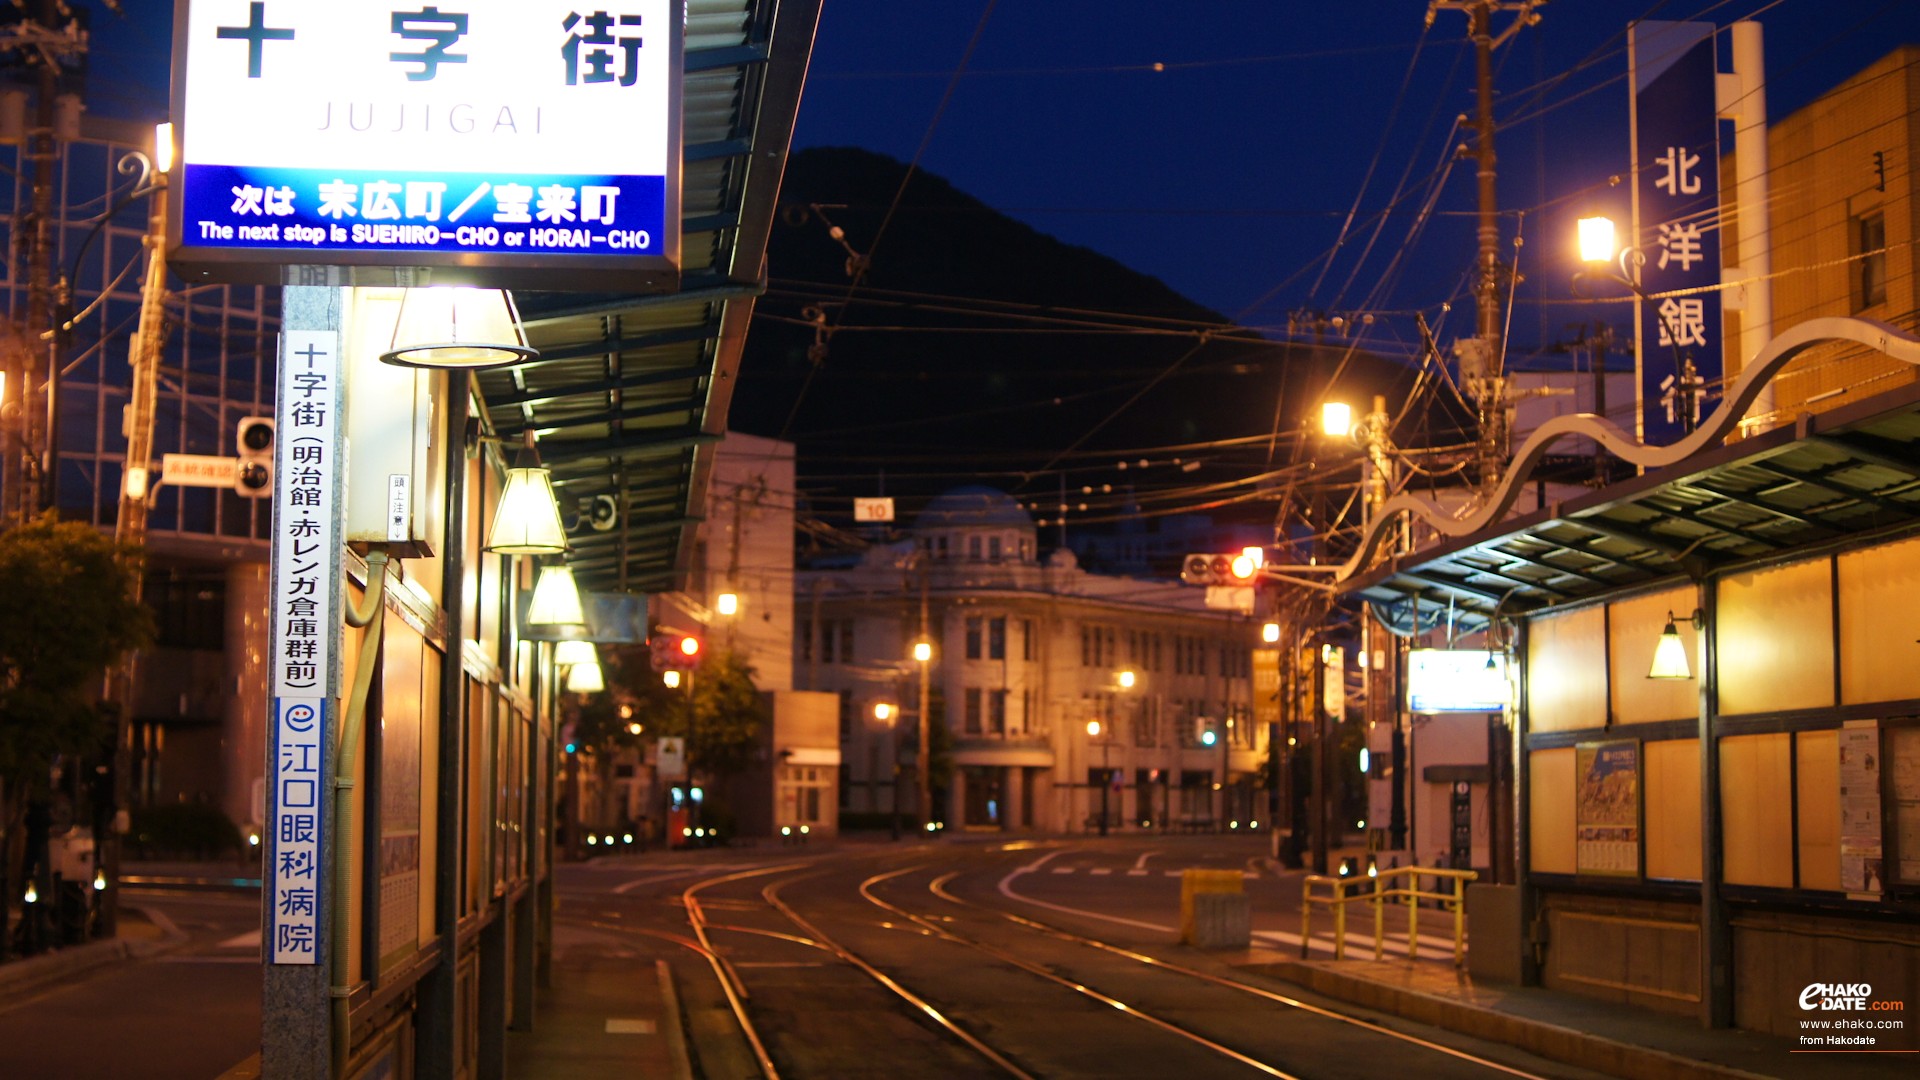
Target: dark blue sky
x,y
1228,173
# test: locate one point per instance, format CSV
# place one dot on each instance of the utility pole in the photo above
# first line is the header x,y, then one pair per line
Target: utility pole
x,y
130,524
1483,357
26,451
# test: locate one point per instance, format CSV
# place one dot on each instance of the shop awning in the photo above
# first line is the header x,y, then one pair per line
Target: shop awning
x,y
1824,478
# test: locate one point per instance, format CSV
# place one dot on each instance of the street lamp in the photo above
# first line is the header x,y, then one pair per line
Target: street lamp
x,y
923,652
1621,265
1106,776
886,713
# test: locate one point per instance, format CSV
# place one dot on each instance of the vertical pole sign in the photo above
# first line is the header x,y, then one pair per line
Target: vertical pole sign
x,y
304,635
1676,223
513,143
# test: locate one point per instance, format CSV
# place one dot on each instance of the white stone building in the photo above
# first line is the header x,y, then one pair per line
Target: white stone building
x,y
1026,653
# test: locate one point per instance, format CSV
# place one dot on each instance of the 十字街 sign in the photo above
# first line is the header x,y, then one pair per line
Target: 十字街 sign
x,y
513,142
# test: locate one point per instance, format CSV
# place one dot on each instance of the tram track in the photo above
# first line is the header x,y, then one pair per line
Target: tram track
x,y
964,1011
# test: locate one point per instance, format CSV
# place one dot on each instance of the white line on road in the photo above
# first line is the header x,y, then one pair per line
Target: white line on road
x,y
1006,890
630,1026
1098,870
248,940
1140,864
1138,873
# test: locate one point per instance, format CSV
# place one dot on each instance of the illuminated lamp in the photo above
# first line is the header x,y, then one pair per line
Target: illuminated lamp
x,y
527,521
556,599
458,327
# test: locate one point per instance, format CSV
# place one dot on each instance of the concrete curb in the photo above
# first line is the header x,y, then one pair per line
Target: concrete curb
x,y
23,978
1567,1045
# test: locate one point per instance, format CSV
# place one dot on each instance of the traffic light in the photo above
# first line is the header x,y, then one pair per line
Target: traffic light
x,y
674,651
1223,569
1204,731
253,439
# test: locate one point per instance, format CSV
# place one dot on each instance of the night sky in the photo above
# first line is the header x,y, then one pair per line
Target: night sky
x,y
1228,174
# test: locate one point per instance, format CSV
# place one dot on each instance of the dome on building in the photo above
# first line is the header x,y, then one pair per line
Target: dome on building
x,y
973,506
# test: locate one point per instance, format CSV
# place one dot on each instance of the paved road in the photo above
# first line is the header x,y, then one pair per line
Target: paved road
x,y
190,1013
884,960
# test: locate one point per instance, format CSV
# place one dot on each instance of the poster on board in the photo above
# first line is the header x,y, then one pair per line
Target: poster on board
x,y
1607,808
1862,869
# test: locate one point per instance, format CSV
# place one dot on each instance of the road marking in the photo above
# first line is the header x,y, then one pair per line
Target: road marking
x,y
1138,873
1006,890
635,1026
1140,864
1098,870
1063,869
777,964
177,958
248,940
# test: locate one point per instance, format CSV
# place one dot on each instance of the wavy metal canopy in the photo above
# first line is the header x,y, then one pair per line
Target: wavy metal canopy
x,y
631,392
1826,478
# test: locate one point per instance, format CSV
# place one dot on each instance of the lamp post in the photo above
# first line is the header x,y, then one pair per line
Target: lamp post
x,y
1106,779
885,712
1600,251
923,653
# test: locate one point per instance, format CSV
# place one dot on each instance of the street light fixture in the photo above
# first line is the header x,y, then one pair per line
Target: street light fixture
x,y
923,754
727,603
1598,249
1670,654
887,713
1336,419
1106,771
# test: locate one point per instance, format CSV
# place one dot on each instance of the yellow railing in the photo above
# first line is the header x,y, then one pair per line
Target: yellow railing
x,y
1375,890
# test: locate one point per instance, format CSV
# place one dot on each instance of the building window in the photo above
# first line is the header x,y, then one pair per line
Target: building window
x,y
1026,639
1155,661
846,641
997,712
1870,279
972,699
973,548
993,549
973,637
997,638
803,793
846,718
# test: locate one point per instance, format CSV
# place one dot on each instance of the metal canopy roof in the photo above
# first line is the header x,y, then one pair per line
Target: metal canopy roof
x,y
630,392
1828,477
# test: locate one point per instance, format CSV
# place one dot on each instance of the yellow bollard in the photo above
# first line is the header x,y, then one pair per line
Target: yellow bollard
x,y
1340,919
1413,917
1459,923
1306,917
1379,921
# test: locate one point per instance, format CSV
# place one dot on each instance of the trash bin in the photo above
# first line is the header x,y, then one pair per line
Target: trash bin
x,y
1214,910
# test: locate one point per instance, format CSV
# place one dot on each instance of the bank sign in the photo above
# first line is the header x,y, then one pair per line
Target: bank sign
x,y
1676,169
529,143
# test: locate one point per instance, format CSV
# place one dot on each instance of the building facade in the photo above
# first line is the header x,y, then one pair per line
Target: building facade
x,y
1062,696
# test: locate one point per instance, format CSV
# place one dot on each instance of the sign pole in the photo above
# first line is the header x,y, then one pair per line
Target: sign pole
x,y
305,636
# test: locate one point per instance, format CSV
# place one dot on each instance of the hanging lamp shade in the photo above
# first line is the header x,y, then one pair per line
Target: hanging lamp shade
x,y
1670,655
569,653
585,679
527,521
556,599
458,327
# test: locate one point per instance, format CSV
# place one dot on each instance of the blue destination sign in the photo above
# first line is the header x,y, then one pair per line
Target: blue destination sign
x,y
344,210
525,143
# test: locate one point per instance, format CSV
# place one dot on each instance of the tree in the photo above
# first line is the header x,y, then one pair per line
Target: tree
x,y
729,715
71,613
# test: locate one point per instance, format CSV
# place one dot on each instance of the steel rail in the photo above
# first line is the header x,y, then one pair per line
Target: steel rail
x,y
771,893
1078,988
938,888
730,983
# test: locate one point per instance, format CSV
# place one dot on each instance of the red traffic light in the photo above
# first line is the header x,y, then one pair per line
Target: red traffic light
x,y
673,649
